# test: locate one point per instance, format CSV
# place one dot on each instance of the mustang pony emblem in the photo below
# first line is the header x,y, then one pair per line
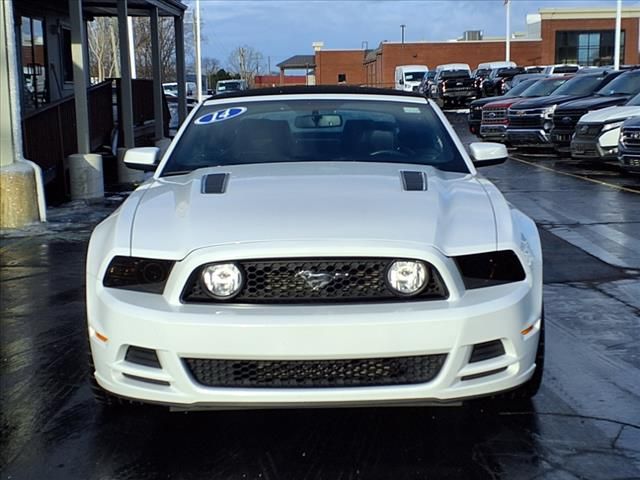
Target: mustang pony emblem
x,y
319,280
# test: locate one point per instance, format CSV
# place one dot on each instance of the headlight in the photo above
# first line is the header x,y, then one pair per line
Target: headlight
x,y
222,280
493,268
612,126
548,112
407,277
141,274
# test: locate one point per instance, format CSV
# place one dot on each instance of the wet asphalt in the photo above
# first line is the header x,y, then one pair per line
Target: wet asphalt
x,y
584,423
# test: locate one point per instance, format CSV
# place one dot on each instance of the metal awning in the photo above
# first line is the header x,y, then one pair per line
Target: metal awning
x,y
298,62
136,8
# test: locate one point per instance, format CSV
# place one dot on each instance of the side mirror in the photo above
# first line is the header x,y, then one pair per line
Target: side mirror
x,y
142,158
485,154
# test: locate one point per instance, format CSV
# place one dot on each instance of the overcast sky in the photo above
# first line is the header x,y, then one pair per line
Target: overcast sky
x,y
282,28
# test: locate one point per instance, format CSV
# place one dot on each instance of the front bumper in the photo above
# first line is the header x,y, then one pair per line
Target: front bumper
x,y
311,332
561,139
494,132
592,150
630,162
528,137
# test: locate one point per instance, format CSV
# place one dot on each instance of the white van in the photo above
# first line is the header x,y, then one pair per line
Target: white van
x,y
491,65
408,77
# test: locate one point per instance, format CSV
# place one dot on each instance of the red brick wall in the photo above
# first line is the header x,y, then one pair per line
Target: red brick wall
x,y
434,54
550,27
330,63
262,81
524,52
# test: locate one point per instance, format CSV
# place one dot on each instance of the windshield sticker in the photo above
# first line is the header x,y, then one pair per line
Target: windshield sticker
x,y
411,110
220,115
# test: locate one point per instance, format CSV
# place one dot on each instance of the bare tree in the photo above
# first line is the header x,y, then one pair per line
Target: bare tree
x,y
103,47
143,50
246,62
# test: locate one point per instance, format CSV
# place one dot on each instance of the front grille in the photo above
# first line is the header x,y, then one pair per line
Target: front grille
x,y
588,131
567,119
631,138
525,121
494,115
294,281
364,372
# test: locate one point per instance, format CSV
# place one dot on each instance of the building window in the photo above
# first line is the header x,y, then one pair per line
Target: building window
x,y
588,48
65,50
342,78
34,70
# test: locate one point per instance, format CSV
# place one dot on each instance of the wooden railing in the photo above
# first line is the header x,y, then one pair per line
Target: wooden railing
x,y
49,135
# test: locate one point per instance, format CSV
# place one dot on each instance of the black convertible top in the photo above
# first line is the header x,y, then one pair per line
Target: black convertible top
x,y
303,89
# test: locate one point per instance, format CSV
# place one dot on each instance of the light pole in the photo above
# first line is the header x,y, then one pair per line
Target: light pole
x,y
507,4
616,49
402,29
196,20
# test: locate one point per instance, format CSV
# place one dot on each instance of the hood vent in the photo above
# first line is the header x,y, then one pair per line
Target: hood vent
x,y
414,181
215,183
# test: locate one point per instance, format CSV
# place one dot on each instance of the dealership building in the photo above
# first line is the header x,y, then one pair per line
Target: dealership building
x,y
554,35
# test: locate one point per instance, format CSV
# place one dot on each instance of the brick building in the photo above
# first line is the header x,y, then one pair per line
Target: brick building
x,y
554,35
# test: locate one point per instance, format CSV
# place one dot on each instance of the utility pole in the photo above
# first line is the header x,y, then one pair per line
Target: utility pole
x,y
616,49
402,29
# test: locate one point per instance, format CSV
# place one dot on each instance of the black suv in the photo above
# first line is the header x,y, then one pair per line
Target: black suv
x,y
629,146
566,116
425,84
499,81
530,120
475,108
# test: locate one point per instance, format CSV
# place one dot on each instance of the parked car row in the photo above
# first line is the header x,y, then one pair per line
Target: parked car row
x,y
578,114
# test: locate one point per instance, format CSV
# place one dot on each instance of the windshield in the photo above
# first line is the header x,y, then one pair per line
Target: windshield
x,y
543,87
414,76
625,84
455,74
521,87
509,72
315,130
482,72
223,87
635,101
581,85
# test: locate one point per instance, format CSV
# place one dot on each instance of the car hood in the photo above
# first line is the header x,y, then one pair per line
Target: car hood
x,y
632,122
506,103
543,102
610,114
315,202
594,103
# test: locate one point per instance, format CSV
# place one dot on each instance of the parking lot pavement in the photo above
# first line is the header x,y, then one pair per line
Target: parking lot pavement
x,y
584,424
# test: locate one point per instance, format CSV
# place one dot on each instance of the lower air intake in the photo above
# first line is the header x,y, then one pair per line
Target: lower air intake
x,y
365,372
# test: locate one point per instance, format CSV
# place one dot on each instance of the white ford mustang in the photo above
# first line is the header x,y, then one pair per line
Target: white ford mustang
x,y
315,247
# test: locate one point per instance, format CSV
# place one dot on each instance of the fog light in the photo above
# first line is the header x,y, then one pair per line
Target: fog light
x,y
547,125
223,280
407,277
